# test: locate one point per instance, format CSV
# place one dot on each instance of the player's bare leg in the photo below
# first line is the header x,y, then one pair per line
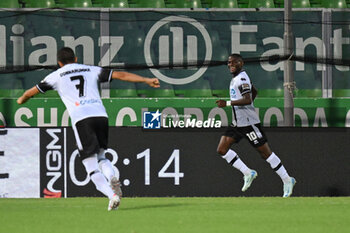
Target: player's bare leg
x,y
276,165
233,159
225,144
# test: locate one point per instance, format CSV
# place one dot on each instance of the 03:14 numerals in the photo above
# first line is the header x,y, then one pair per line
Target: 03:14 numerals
x,y
173,159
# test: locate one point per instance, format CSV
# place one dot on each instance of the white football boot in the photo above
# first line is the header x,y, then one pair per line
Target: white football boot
x,y
248,179
114,203
288,187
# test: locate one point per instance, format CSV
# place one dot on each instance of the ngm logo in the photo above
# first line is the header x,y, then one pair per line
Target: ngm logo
x,y
178,41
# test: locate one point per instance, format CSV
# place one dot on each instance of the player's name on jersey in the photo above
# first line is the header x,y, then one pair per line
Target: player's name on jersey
x,y
74,71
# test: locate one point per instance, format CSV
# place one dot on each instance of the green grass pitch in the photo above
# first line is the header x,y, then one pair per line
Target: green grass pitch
x,y
185,215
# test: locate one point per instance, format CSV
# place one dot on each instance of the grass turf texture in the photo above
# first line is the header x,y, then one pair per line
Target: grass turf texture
x,y
185,215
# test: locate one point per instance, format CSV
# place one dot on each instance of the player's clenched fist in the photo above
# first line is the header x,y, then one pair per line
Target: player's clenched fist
x,y
153,82
221,103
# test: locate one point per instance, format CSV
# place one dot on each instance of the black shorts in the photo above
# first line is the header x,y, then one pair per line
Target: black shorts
x,y
253,133
91,134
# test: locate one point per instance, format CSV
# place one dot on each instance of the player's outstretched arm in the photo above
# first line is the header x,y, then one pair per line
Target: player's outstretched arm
x,y
130,77
27,95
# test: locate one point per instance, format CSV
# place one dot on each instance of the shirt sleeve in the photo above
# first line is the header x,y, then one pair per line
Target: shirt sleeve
x,y
105,75
244,87
48,83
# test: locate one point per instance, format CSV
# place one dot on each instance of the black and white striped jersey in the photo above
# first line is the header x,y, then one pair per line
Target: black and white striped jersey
x,y
77,85
242,115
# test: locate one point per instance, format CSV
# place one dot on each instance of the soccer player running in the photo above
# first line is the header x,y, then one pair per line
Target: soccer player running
x,y
246,123
77,85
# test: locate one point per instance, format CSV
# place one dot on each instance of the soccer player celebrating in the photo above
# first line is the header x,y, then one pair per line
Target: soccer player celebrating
x,y
246,123
77,85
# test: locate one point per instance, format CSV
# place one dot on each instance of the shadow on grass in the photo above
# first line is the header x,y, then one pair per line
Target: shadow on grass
x,y
139,207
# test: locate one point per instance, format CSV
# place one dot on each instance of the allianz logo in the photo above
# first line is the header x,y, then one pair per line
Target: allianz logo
x,y
187,35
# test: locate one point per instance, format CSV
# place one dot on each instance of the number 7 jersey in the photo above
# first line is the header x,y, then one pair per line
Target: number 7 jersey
x,y
77,85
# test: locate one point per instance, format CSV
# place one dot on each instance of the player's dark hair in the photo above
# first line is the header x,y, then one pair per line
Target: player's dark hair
x,y
66,55
236,55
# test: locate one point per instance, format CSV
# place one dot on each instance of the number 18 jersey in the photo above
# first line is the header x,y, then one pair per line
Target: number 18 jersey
x,y
77,85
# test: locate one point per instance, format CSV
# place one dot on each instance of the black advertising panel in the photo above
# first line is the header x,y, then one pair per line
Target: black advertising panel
x,y
184,162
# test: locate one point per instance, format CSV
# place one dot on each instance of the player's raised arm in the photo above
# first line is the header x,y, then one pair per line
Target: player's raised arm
x,y
130,77
27,95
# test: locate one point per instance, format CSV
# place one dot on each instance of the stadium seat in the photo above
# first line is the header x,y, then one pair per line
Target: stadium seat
x,y
122,89
188,4
308,82
114,3
95,3
261,4
272,82
334,4
9,4
307,93
300,4
198,88
224,4
151,3
58,3
76,3
279,3
271,93
206,3
123,93
133,3
11,85
170,3
40,3
315,3
243,3
14,84
31,78
165,90
341,92
219,84
340,82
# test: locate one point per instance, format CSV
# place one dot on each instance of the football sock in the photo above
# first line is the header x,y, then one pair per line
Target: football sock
x,y
105,165
233,159
276,165
97,177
